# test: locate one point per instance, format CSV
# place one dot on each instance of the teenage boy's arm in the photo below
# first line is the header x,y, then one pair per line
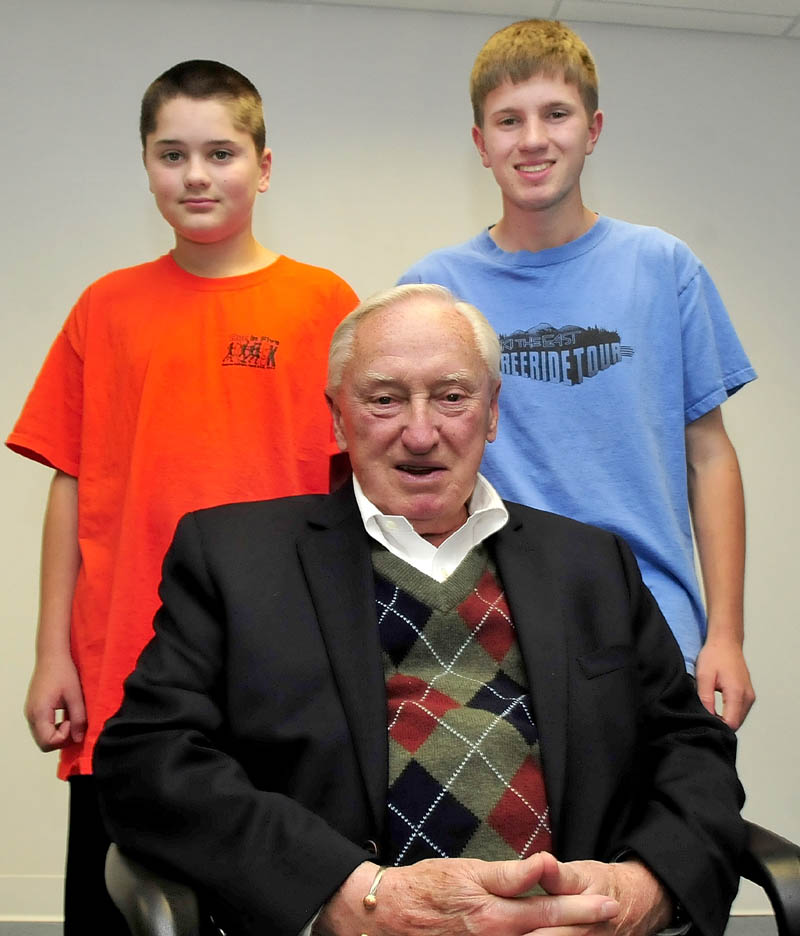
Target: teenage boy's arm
x,y
55,683
717,505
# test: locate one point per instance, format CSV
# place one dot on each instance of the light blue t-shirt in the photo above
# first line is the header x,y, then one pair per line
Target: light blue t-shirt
x,y
611,344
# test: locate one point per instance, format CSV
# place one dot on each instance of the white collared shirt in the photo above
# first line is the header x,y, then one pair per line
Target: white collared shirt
x,y
486,515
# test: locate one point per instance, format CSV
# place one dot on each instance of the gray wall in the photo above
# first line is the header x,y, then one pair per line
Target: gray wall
x,y
368,116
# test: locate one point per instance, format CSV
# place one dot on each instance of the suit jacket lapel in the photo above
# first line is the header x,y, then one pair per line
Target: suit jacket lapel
x,y
336,561
533,590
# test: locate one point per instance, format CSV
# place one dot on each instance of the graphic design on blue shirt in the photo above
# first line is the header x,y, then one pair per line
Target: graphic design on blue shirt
x,y
561,355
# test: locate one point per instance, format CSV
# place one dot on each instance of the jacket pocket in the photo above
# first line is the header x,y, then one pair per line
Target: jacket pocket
x,y
605,660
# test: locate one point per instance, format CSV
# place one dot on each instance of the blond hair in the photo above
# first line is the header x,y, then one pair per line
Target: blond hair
x,y
533,47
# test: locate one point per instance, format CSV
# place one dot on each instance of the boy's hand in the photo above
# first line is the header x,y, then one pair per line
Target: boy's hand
x,y
721,667
55,686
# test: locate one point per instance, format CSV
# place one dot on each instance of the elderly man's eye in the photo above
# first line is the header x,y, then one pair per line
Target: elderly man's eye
x,y
384,400
454,397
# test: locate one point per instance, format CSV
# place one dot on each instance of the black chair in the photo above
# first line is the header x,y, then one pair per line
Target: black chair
x,y
153,905
773,863
156,906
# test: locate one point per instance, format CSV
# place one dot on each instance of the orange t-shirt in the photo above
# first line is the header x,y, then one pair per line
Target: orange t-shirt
x,y
163,393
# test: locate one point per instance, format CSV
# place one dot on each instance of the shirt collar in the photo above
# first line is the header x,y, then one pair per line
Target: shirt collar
x,y
486,515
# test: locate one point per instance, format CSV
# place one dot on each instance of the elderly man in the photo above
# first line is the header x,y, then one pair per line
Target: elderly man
x,y
411,673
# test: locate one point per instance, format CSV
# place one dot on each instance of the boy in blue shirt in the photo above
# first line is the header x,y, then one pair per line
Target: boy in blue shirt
x,y
617,353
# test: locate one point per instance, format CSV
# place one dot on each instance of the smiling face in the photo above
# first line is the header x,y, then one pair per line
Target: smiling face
x,y
535,138
414,409
203,171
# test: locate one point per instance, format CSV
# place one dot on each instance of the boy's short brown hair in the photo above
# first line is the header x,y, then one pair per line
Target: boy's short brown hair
x,y
533,47
202,79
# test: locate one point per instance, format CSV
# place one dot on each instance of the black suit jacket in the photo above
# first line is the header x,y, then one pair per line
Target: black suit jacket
x,y
250,753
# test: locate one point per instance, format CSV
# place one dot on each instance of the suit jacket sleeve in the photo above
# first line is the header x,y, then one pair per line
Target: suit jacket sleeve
x,y
632,760
684,822
173,793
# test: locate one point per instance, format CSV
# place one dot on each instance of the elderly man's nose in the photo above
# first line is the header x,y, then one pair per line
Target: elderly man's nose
x,y
420,433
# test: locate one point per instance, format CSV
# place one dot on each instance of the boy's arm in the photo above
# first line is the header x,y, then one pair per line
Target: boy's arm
x,y
55,683
716,501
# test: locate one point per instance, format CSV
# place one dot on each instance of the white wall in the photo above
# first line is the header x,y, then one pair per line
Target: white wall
x,y
368,116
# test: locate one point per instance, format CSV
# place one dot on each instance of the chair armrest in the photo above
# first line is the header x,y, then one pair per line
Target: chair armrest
x,y
152,905
773,863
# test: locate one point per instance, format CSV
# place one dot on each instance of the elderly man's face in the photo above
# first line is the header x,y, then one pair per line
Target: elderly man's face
x,y
415,407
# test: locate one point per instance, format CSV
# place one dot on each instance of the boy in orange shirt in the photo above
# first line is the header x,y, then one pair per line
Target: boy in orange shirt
x,y
193,380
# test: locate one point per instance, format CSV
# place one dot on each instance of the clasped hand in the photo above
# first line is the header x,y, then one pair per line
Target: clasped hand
x,y
463,897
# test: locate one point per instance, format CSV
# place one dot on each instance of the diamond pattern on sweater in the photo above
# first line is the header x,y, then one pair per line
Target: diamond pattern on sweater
x,y
420,795
464,766
495,696
486,611
415,710
397,641
518,805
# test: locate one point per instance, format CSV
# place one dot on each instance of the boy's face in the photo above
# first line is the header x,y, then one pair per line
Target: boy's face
x,y
203,172
535,138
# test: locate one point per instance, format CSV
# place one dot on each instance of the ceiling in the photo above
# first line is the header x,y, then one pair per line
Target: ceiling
x,y
752,17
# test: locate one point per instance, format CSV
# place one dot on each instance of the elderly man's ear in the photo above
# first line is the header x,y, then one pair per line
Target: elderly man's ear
x,y
494,414
336,414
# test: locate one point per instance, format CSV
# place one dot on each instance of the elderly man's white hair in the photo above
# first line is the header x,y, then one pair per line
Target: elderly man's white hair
x,y
341,349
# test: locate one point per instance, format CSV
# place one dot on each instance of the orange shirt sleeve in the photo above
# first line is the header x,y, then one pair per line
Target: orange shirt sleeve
x,y
48,429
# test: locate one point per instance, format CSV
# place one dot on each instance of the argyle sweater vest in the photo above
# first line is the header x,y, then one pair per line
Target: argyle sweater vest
x,y
465,774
